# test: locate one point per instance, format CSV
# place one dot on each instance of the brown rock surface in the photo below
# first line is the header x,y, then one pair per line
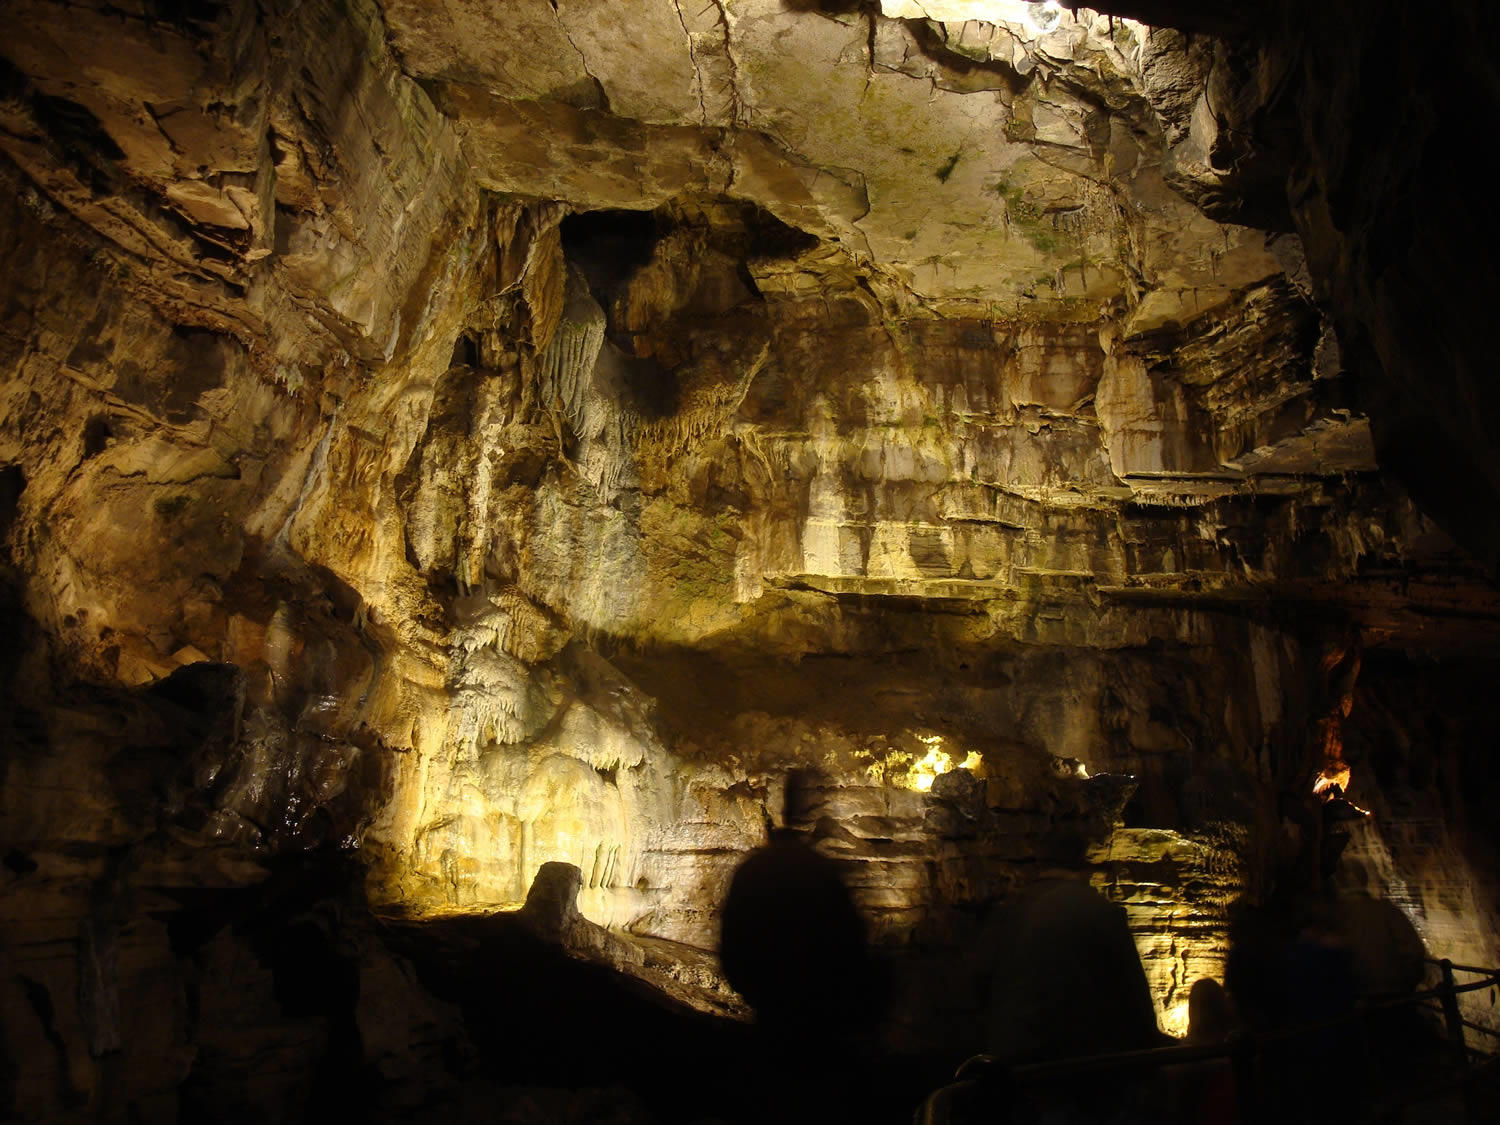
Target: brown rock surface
x,y
440,441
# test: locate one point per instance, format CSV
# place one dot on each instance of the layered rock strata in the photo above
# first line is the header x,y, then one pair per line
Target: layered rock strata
x,y
463,459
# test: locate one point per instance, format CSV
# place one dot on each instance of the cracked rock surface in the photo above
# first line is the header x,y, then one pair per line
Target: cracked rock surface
x,y
445,442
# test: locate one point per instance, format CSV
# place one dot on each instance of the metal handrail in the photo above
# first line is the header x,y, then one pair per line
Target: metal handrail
x,y
1460,968
1481,1028
1242,1047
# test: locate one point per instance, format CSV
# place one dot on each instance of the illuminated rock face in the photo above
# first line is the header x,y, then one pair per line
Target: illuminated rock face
x,y
467,459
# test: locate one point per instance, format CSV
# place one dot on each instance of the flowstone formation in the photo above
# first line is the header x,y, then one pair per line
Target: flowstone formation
x,y
441,441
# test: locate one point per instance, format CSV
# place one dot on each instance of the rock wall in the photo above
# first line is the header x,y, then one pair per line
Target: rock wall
x,y
426,461
1283,127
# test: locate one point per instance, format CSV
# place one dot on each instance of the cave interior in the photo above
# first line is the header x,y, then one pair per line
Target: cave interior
x,y
473,474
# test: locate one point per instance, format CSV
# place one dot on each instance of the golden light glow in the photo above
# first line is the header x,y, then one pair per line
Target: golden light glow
x,y
1333,784
1330,776
1340,670
919,768
925,770
1174,1020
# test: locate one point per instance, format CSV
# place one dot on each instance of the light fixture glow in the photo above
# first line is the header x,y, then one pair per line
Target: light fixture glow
x,y
925,770
1042,17
1332,775
1174,1021
918,768
937,761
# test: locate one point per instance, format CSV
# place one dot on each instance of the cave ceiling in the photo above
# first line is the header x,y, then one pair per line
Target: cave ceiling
x,y
1032,196
527,429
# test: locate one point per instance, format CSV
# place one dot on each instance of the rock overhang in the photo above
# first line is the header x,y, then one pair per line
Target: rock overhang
x,y
917,408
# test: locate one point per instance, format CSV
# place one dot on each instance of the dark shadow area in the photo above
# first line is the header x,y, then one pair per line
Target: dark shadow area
x,y
1066,982
609,247
1066,978
294,1047
544,1009
541,1018
644,384
186,13
1309,974
795,946
12,484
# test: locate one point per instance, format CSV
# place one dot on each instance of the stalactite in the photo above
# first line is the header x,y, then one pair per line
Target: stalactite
x,y
566,366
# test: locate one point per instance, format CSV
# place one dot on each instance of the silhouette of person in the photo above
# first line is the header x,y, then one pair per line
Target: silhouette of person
x,y
1067,982
1210,1015
794,945
1206,1090
792,942
1067,977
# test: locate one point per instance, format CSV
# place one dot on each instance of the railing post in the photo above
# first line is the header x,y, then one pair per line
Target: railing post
x,y
1451,1014
1455,1021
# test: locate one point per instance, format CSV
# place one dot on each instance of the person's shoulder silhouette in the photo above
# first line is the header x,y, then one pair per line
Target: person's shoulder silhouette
x,y
792,941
